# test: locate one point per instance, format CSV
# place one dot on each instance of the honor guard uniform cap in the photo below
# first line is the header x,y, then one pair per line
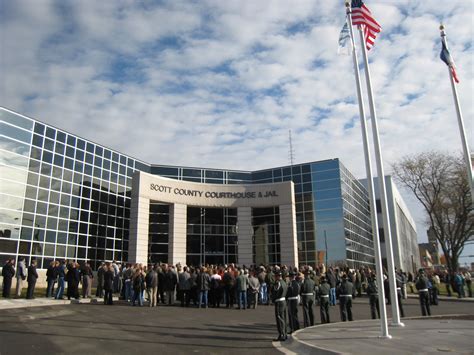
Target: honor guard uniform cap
x,y
277,273
292,273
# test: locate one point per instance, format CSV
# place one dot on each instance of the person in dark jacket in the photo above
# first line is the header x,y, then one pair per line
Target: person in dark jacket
x,y
307,299
32,277
203,281
421,284
61,270
324,290
332,281
171,280
138,282
151,280
8,272
86,276
100,280
161,283
292,297
279,300
51,277
373,293
345,292
73,278
108,277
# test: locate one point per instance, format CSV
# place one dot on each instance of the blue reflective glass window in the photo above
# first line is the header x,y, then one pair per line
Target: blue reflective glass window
x,y
214,174
277,172
90,147
326,175
37,140
99,150
261,175
115,157
78,166
123,160
58,160
328,204
50,133
70,152
306,177
98,161
232,175
306,168
327,184
15,133
325,194
81,144
107,154
296,170
79,155
328,214
89,158
286,171
14,146
46,169
71,140
39,128
47,156
192,172
325,165
88,169
48,144
61,137
69,163
59,148
106,164
16,120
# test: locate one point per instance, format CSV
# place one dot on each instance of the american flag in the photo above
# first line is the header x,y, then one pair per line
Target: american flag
x,y
361,15
448,59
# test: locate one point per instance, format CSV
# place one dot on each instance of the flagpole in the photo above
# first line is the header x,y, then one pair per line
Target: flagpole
x,y
383,195
467,155
370,186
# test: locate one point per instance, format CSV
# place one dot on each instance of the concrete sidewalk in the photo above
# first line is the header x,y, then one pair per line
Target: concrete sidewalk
x,y
446,298
41,301
420,335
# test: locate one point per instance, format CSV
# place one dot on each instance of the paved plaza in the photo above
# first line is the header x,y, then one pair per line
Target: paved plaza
x,y
121,329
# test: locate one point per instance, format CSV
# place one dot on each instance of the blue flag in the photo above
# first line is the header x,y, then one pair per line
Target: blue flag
x,y
446,57
345,44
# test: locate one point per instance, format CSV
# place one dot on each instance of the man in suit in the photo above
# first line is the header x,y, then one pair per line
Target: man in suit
x,y
8,271
32,277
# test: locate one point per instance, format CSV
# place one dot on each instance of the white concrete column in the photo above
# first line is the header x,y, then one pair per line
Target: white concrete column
x,y
244,235
178,232
139,224
288,241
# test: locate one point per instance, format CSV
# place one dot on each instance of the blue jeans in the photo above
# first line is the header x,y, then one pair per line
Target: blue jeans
x,y
203,297
49,290
332,296
137,296
242,299
60,290
263,293
128,290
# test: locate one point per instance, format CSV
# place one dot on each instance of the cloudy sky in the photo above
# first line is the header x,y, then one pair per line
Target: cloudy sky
x,y
220,83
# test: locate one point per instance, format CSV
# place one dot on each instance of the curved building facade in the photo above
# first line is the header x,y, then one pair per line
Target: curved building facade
x,y
65,197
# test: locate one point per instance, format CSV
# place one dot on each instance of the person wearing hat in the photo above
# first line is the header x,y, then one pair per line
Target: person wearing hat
x,y
279,300
421,285
345,292
292,297
324,290
307,299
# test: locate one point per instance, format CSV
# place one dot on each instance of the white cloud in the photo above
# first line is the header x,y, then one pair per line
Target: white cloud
x,y
219,84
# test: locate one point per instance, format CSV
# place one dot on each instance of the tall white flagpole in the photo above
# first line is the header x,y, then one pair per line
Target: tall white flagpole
x,y
370,185
467,154
383,195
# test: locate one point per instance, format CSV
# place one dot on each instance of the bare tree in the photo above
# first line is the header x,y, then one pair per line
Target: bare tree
x,y
439,181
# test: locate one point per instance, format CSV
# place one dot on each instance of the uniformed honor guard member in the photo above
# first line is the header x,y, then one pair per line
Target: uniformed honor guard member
x,y
293,296
373,293
279,300
421,285
346,291
307,299
399,284
323,296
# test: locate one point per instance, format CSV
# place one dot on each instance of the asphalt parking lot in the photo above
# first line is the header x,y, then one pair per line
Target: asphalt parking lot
x,y
122,329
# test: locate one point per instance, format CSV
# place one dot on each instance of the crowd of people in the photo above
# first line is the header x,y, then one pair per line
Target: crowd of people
x,y
232,286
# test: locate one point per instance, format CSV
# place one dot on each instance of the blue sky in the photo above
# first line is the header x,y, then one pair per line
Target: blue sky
x,y
220,83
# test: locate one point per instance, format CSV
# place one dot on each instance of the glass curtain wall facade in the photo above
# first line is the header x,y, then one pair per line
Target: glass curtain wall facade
x,y
211,236
64,197
266,236
61,196
158,232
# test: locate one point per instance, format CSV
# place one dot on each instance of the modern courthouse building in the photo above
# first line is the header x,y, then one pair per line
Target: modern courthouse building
x,y
64,197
